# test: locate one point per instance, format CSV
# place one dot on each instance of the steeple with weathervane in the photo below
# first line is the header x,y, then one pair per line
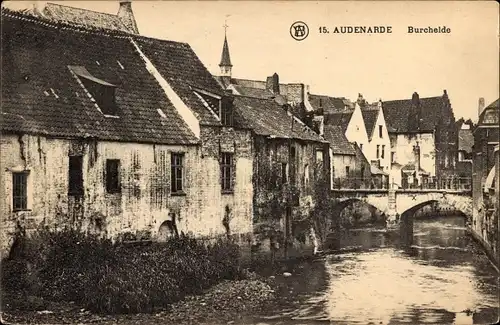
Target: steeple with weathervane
x,y
225,60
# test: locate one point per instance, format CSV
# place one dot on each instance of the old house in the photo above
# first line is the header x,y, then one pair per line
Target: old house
x,y
464,161
290,162
423,141
485,177
124,19
343,157
116,134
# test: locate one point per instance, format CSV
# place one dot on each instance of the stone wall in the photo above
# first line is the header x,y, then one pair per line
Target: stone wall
x,y
144,202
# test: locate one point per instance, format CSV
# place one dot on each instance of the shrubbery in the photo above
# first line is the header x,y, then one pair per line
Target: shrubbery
x,y
116,278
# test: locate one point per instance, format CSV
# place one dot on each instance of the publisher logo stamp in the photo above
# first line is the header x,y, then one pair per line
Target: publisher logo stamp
x,y
299,30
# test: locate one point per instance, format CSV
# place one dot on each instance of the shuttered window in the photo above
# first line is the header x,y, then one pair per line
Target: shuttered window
x,y
20,191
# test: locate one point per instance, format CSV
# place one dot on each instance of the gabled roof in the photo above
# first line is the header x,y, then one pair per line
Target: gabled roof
x,y
184,71
338,141
490,115
84,17
370,118
329,104
465,140
341,119
267,118
398,114
41,95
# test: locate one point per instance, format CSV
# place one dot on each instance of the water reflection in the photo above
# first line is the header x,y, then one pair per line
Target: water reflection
x,y
438,280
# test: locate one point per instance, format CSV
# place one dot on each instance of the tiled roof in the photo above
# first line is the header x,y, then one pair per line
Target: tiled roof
x,y
41,96
184,71
328,104
490,114
341,119
370,117
84,17
465,140
338,142
253,92
398,114
268,118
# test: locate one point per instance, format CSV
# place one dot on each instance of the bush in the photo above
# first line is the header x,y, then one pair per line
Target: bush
x,y
115,278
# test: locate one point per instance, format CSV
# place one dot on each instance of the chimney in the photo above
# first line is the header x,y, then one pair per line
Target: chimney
x,y
39,7
126,15
273,84
415,99
480,106
360,98
416,153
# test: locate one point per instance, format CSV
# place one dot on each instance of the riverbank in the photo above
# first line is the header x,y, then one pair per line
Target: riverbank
x,y
493,258
225,303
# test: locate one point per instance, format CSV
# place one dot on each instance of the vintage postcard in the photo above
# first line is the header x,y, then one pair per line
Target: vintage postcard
x,y
249,162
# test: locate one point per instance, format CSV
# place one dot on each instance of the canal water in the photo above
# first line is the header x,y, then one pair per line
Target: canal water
x,y
443,278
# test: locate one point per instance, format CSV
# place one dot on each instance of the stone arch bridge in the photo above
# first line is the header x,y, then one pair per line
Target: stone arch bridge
x,y
401,204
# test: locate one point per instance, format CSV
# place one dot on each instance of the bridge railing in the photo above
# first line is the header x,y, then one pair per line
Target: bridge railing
x,y
432,183
359,183
442,183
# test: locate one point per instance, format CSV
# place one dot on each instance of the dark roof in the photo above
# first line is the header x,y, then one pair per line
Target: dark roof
x,y
184,72
225,59
40,95
465,140
267,118
338,141
341,119
84,17
370,117
398,114
490,114
329,104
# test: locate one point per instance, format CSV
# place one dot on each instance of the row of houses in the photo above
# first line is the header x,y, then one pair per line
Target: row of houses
x,y
399,143
128,136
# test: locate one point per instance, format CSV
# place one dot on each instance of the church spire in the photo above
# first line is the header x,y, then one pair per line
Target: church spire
x,y
225,60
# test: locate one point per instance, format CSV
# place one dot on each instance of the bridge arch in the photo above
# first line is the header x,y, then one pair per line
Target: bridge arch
x,y
345,202
406,218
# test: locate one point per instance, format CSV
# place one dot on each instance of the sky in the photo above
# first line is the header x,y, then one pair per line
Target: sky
x,y
465,61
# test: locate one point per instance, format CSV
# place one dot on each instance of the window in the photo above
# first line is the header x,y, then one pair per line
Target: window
x,y
382,155
20,191
347,171
319,156
380,131
103,92
393,156
226,171
378,151
362,173
75,179
284,173
177,173
113,176
227,116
